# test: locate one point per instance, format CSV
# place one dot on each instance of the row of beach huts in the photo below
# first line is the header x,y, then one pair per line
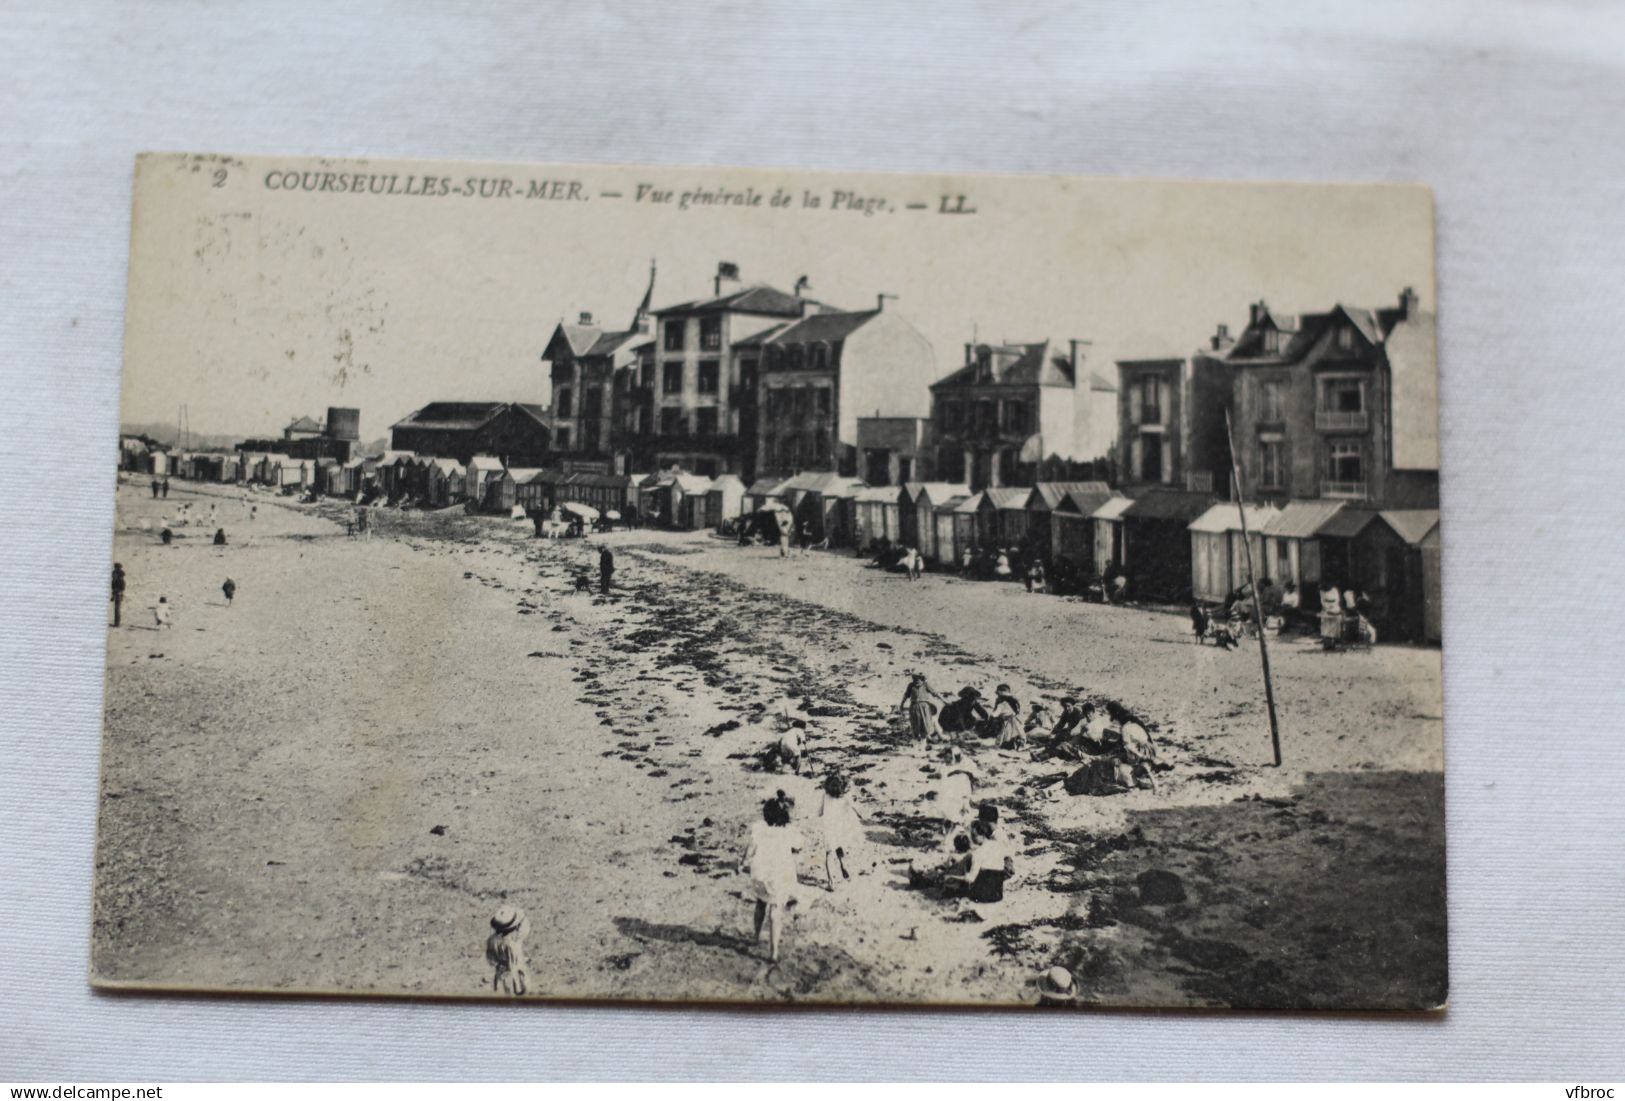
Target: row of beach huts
x,y
1170,544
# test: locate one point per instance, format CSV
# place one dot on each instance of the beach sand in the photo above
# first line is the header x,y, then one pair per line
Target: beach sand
x,y
332,784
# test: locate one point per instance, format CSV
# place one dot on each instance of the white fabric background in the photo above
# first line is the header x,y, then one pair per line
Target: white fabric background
x,y
1513,112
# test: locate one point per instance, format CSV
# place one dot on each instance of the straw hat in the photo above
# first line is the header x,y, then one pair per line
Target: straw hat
x,y
507,919
1058,980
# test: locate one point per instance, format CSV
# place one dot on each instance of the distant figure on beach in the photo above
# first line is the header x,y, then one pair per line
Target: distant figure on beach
x,y
806,533
784,541
253,511
505,951
841,825
922,713
219,537
1035,576
117,596
770,862
1006,724
166,488
606,568
363,524
155,489
1001,565
166,536
786,752
160,613
957,787
914,563
230,589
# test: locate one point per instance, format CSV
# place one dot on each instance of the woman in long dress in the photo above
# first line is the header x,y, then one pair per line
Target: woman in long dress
x,y
770,862
922,713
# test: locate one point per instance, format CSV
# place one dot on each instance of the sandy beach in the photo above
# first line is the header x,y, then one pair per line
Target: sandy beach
x,y
332,783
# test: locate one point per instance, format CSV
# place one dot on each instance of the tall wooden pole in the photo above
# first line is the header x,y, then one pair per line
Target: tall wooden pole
x,y
1252,582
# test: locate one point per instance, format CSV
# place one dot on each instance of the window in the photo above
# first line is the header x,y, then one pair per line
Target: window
x,y
648,379
821,446
952,414
710,333
1345,337
563,402
951,464
705,422
562,439
797,357
821,400
671,422
799,402
1150,393
671,381
592,402
710,371
1015,417
1272,341
1342,395
674,335
986,416
792,452
1345,469
820,357
589,435
1271,401
1271,471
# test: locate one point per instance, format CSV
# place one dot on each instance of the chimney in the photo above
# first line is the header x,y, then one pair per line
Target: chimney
x,y
880,302
586,317
1257,311
1409,304
970,354
1221,338
727,275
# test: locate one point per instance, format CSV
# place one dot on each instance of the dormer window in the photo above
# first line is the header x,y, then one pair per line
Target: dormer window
x,y
1272,341
984,364
1345,338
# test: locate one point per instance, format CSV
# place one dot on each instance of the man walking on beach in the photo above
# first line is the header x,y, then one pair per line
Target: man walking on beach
x,y
606,568
155,489
118,591
166,488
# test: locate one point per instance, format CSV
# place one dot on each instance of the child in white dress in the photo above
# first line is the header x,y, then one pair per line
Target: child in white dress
x,y
842,827
770,861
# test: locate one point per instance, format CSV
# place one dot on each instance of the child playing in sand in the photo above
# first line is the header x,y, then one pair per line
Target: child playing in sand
x,y
958,783
787,751
770,861
160,612
842,827
505,951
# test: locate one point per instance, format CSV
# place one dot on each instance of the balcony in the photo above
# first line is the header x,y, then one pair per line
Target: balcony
x,y
1351,491
1327,420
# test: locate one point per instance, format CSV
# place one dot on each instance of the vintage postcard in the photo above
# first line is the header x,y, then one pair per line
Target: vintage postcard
x,y
561,582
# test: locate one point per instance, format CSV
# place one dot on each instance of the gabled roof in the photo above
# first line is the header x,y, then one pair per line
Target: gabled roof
x,y
830,484
523,475
760,299
1227,516
723,483
1037,364
609,343
1412,524
878,494
1047,495
757,339
1085,503
935,491
950,505
969,504
579,338
484,462
823,327
304,424
452,415
1301,519
1169,504
766,487
693,483
1347,523
1007,498
1097,381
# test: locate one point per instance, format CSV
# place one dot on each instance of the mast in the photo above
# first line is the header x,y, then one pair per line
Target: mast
x,y
1252,583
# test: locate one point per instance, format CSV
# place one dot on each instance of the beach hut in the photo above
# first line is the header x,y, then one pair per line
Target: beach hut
x,y
927,497
866,513
447,479
688,494
1157,544
1415,611
967,534
1107,521
502,491
1290,547
1219,552
914,507
1432,596
542,491
822,506
476,472
950,537
724,501
762,492
1002,515
1381,554
1045,498
325,470
1072,531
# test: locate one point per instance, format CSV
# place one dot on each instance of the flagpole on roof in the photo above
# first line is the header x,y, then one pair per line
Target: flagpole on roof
x,y
1252,583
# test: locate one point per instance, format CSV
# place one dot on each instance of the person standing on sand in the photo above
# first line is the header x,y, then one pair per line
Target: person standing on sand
x,y
922,713
118,593
505,951
219,537
160,612
166,488
841,825
784,541
230,589
770,861
606,569
155,489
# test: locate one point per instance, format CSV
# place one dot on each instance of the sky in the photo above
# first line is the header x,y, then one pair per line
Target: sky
x,y
252,303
